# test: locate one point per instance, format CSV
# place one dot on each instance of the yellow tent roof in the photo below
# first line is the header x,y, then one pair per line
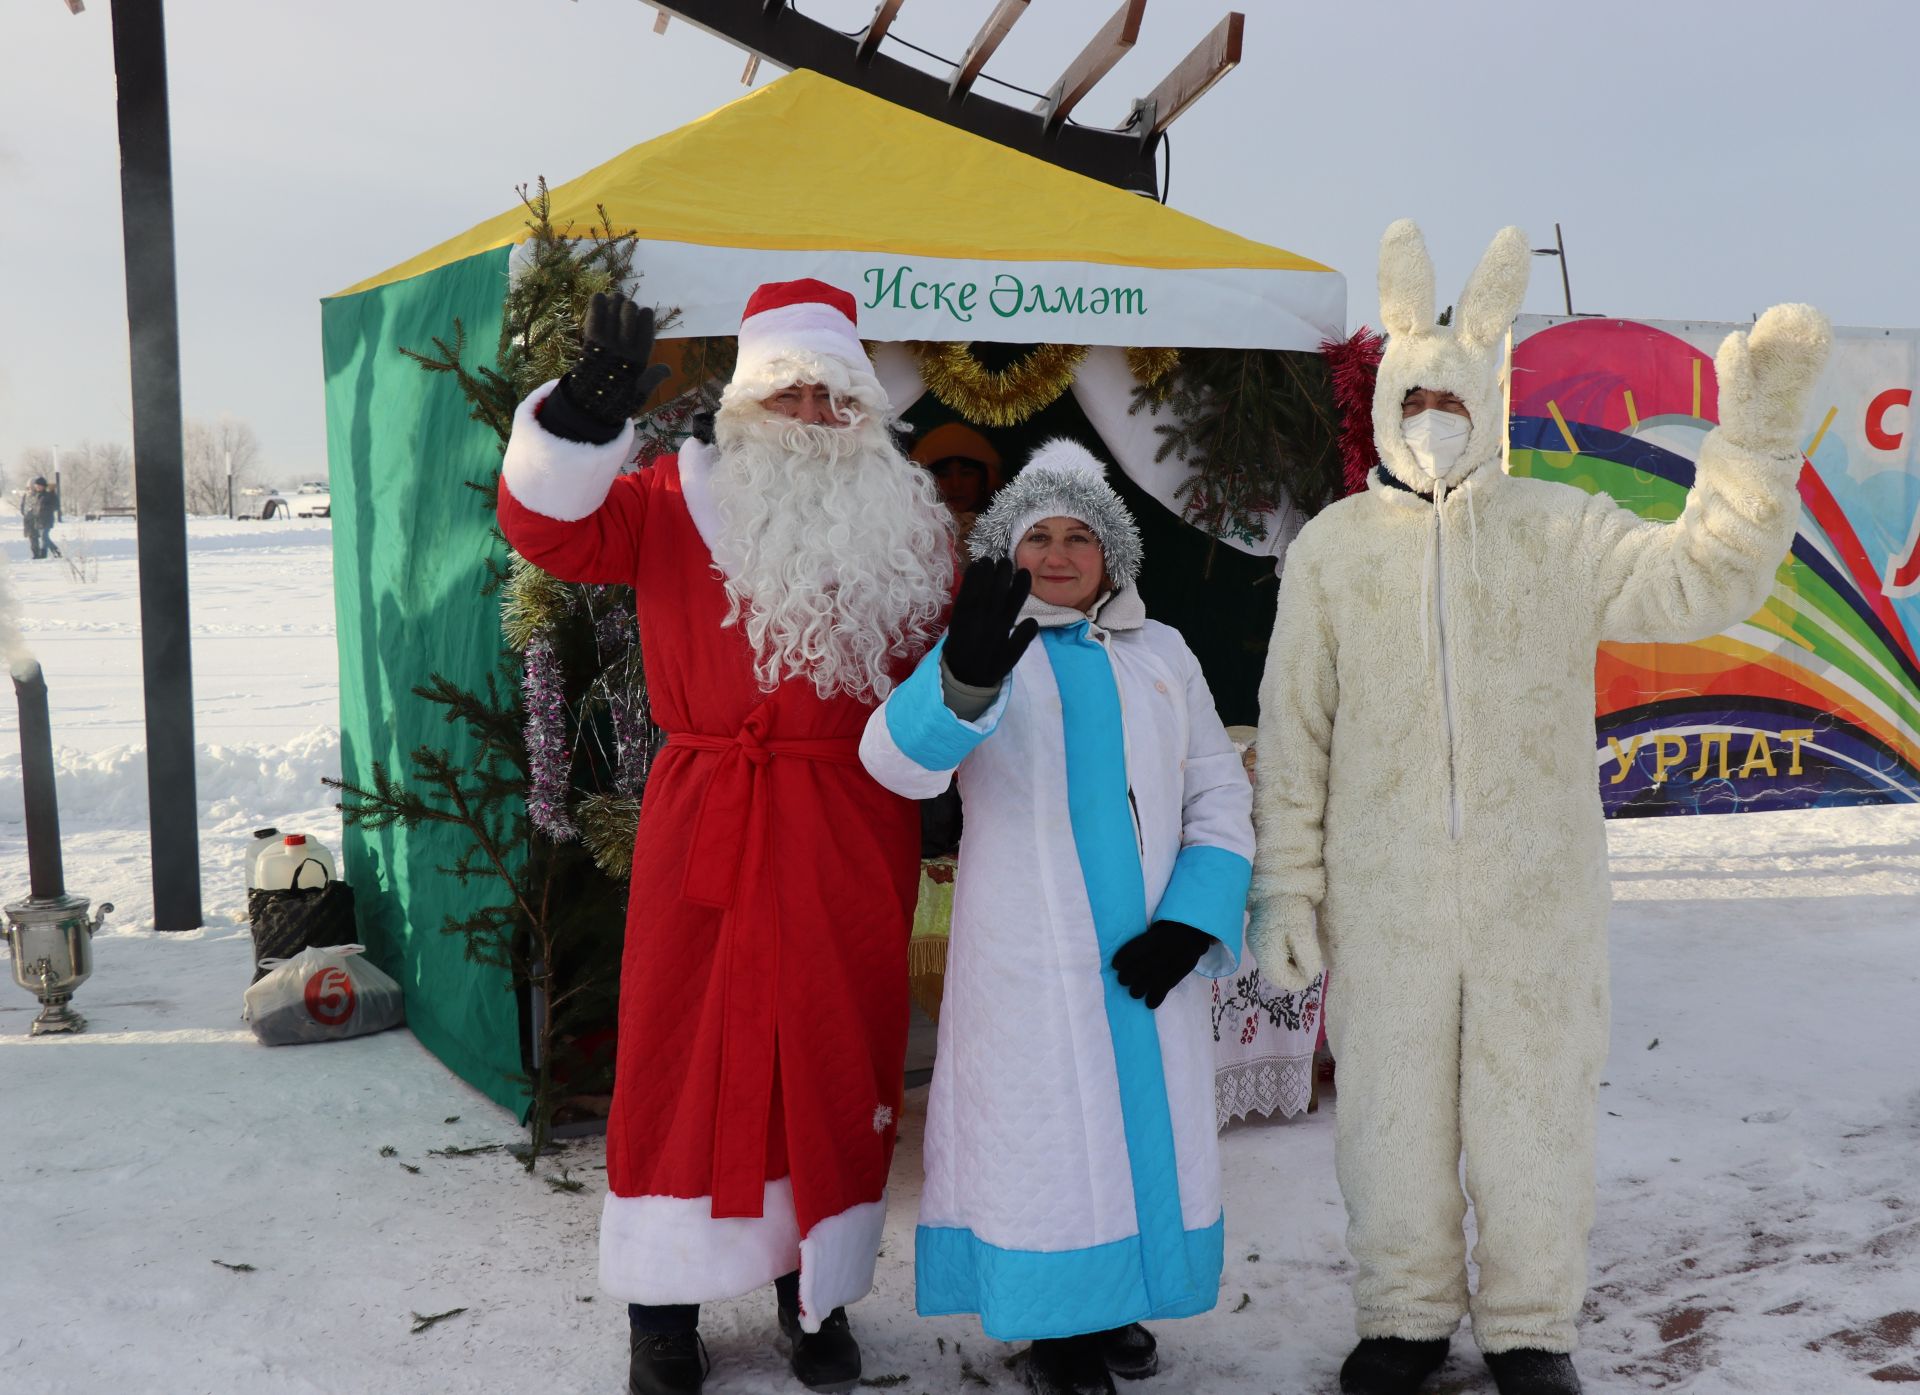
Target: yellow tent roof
x,y
809,164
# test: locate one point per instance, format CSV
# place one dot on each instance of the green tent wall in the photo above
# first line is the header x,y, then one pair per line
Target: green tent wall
x,y
410,548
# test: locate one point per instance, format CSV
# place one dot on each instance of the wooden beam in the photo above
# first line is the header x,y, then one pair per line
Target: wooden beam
x,y
984,43
793,40
877,28
1096,60
1212,59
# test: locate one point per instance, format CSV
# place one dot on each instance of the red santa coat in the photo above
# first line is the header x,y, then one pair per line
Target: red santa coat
x,y
763,1002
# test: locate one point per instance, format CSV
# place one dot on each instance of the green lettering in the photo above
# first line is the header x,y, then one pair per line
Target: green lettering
x,y
881,290
1004,285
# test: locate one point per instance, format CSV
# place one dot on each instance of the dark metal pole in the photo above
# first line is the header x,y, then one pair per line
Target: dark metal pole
x,y
47,878
160,499
1566,282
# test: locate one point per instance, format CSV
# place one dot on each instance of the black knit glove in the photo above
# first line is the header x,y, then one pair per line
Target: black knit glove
x,y
983,643
612,378
1151,965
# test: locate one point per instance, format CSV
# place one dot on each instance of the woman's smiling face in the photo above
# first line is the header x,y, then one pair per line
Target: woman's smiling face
x,y
1068,565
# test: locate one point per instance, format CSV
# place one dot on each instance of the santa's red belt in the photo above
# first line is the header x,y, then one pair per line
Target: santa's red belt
x,y
732,840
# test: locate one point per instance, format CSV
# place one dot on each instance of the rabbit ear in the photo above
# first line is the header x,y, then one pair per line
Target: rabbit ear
x,y
1496,288
1406,280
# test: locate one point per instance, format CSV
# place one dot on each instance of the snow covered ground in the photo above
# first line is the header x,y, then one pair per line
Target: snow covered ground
x,y
182,1210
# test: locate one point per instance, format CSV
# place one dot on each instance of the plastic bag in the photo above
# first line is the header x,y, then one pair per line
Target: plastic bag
x,y
322,994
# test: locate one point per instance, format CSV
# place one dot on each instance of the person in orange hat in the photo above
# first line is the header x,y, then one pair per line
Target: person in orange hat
x,y
965,466
785,575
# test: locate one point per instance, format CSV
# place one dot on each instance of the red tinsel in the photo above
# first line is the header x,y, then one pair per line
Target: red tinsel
x,y
1353,364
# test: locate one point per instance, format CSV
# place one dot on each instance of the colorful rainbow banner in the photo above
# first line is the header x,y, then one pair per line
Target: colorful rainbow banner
x,y
1815,699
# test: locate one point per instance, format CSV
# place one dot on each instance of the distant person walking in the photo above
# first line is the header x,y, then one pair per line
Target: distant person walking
x,y
39,507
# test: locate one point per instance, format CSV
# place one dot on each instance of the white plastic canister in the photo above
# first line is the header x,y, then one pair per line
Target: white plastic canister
x,y
277,865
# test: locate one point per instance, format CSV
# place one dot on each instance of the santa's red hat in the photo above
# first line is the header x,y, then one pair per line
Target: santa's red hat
x,y
803,331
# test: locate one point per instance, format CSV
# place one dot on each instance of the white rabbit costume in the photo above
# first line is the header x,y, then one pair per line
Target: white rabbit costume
x,y
1073,1173
1426,788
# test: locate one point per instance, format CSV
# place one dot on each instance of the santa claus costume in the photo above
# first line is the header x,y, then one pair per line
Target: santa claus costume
x,y
763,1008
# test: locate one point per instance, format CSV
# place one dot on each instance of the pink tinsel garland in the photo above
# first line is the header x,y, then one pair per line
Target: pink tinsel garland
x,y
549,761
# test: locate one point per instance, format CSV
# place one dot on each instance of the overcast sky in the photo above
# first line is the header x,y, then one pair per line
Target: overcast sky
x,y
1705,158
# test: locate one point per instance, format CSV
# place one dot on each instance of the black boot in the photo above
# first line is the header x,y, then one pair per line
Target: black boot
x,y
1130,1351
1068,1366
667,1363
1391,1365
825,1360
1525,1371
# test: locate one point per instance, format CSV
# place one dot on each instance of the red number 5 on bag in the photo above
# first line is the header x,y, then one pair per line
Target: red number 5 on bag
x,y
330,997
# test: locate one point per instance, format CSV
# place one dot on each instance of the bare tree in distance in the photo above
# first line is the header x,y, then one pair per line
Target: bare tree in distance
x,y
209,445
94,475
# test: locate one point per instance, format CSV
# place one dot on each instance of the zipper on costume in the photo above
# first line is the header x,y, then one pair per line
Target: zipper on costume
x,y
1446,667
1139,838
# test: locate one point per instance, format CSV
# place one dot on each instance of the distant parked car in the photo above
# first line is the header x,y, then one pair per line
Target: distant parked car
x,y
313,499
255,501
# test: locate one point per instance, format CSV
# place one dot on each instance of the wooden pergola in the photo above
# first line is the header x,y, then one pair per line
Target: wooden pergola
x,y
1124,156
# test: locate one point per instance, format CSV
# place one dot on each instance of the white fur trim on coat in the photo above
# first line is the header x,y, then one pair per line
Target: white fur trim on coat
x,y
557,478
696,462
836,1261
672,1249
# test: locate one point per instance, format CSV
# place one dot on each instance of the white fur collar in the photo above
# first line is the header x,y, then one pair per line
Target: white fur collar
x,y
1121,610
696,487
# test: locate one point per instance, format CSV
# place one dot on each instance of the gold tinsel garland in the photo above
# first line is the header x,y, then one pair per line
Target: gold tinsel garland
x,y
530,601
1006,398
1153,368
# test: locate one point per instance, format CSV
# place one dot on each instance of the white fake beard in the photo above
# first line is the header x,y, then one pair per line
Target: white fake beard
x,y
836,550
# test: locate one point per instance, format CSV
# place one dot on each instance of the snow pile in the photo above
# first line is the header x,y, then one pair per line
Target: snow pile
x,y
108,789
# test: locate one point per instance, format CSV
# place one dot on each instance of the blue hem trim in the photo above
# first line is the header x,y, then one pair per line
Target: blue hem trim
x,y
925,730
1208,890
1031,1295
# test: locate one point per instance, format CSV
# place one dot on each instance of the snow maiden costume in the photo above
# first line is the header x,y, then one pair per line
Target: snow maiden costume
x,y
1427,791
1072,1170
763,1002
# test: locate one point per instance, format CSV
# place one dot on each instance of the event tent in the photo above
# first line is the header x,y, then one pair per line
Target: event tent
x,y
940,235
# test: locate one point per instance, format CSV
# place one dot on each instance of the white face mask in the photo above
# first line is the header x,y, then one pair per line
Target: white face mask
x,y
1437,440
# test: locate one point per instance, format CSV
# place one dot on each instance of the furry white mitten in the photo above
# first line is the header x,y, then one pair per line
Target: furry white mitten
x,y
1765,374
1286,942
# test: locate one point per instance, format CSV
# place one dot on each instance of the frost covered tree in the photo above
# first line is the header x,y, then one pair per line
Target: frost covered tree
x,y
209,445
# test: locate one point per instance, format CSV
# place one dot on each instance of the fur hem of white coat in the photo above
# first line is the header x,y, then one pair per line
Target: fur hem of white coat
x,y
557,478
672,1249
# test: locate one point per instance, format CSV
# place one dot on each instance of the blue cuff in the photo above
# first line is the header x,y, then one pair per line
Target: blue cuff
x,y
1208,890
925,730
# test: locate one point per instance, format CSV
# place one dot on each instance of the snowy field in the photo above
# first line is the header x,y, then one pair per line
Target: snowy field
x,y
184,1211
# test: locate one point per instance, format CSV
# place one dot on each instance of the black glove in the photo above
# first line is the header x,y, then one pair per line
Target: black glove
x,y
1151,966
612,378
983,643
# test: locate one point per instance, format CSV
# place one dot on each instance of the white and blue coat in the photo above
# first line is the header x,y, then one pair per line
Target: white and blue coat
x,y
1072,1164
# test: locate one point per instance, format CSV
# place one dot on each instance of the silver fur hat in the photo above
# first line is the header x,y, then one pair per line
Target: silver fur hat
x,y
1064,479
